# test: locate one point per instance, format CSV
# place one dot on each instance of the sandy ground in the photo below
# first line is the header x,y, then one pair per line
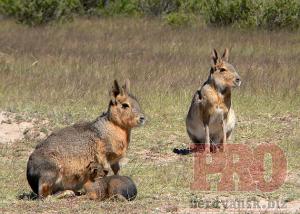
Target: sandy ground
x,y
13,127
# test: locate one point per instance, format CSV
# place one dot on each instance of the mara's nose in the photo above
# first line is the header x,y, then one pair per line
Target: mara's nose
x,y
238,81
142,119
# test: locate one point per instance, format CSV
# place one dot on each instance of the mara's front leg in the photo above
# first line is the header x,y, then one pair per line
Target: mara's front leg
x,y
207,138
101,156
115,168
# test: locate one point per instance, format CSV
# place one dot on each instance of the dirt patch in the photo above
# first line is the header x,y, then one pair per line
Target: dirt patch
x,y
157,158
14,127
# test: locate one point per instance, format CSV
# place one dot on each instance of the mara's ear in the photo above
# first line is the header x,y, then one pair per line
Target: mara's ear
x,y
115,91
214,57
126,86
225,55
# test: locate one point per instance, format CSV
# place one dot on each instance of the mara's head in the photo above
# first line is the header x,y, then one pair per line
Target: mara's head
x,y
124,109
222,72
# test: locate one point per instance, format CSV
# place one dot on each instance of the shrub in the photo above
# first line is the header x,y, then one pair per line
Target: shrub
x,y
90,4
8,7
281,14
270,14
179,18
227,12
159,7
121,7
192,6
33,12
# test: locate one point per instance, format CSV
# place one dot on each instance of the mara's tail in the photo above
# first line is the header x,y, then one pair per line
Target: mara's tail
x,y
182,151
196,147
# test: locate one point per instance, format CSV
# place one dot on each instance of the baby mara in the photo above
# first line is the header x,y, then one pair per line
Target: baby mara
x,y
109,187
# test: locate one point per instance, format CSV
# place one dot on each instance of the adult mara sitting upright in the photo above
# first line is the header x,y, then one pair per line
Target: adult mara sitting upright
x,y
63,161
211,118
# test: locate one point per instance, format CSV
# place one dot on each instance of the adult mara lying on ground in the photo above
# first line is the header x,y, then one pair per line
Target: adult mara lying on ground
x,y
62,161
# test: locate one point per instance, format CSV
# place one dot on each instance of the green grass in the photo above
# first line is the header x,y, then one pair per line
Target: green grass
x,y
63,73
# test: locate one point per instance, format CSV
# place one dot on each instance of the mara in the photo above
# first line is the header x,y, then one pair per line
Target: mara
x,y
62,161
211,118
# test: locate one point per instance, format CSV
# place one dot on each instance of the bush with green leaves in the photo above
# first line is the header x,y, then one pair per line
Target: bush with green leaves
x,y
34,12
179,19
89,4
281,14
163,7
228,12
269,14
119,7
158,7
8,7
192,6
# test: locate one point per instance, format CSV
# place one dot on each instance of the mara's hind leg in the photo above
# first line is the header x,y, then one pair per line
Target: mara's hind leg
x,y
224,138
47,183
214,147
45,189
197,147
42,175
228,135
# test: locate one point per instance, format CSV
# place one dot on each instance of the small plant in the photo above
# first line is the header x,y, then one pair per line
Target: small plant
x,y
44,130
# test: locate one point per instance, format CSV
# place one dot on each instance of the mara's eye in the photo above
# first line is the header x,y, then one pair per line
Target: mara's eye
x,y
222,69
125,105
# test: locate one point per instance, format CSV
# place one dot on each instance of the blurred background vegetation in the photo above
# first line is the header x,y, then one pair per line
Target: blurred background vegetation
x,y
266,14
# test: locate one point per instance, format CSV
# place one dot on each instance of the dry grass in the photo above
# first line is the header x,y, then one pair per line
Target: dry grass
x,y
64,72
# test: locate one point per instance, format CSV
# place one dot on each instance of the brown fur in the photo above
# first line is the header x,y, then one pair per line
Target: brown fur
x,y
211,118
111,187
63,160
100,188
